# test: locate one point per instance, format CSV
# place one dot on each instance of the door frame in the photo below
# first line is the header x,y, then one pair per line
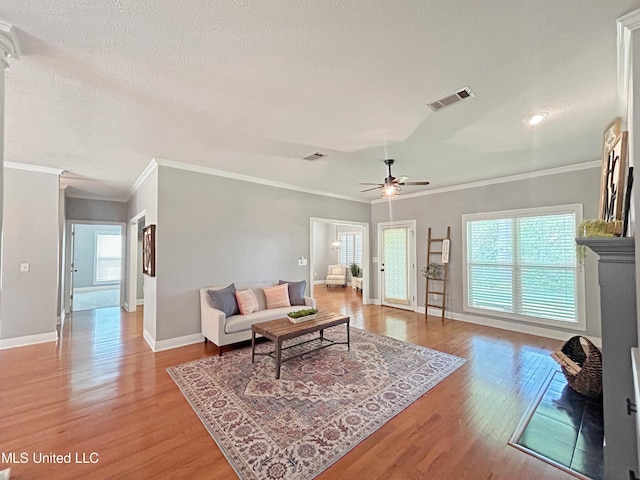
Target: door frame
x,y
366,263
69,255
412,274
132,262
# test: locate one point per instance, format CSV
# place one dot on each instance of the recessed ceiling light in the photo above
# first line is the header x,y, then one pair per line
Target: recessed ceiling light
x,y
536,118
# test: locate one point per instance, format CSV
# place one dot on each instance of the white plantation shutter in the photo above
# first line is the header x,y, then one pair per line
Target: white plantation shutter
x,y
547,267
351,248
108,257
522,264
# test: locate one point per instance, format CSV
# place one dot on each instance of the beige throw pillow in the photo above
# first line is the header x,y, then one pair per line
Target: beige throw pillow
x,y
247,301
277,296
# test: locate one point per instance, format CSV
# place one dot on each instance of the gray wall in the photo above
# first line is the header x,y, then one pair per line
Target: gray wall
x,y
84,254
323,256
96,210
214,231
30,234
440,210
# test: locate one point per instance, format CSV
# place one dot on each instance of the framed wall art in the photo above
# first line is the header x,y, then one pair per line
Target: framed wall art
x,y
614,167
149,250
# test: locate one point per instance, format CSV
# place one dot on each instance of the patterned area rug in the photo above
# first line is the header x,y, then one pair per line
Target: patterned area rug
x,y
323,405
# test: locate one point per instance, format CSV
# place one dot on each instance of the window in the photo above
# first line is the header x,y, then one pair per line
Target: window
x,y
521,264
108,257
350,248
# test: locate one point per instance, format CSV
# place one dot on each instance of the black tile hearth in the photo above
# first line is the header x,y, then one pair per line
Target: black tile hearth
x,y
567,428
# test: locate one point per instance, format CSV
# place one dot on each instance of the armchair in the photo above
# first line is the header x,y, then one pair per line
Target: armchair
x,y
336,275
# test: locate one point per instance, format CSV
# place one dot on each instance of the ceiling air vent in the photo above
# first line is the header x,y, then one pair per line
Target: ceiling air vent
x,y
314,156
450,99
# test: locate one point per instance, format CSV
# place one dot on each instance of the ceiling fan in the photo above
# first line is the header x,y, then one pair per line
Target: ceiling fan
x,y
391,186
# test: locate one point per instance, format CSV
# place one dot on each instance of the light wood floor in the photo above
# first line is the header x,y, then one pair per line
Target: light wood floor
x,y
101,389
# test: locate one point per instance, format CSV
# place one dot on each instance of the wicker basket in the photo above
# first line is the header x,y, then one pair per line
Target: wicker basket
x,y
588,381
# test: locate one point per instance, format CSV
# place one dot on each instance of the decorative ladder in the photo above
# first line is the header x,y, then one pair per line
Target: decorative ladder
x,y
442,254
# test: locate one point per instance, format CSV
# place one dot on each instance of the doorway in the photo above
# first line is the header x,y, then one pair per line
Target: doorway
x,y
96,265
397,253
335,241
135,294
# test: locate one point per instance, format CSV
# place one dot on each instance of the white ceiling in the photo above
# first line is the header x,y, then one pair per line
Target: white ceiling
x,y
250,87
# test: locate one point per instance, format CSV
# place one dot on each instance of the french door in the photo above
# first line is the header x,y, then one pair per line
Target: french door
x,y
397,254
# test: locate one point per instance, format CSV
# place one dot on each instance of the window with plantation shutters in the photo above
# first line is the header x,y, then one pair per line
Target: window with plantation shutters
x,y
108,257
351,248
522,264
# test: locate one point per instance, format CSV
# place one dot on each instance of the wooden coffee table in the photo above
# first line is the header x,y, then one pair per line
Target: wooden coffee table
x,y
283,329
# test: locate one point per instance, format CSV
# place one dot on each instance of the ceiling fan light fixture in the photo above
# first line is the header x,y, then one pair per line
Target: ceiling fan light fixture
x,y
390,191
335,244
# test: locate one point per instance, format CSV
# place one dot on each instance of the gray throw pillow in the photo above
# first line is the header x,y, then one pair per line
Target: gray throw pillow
x,y
225,300
296,291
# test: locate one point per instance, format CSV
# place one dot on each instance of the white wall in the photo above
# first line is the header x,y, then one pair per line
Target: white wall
x,y
139,275
30,234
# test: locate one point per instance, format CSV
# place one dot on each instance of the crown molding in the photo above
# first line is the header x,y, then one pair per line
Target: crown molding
x,y
96,197
626,26
630,21
33,168
143,176
495,181
247,178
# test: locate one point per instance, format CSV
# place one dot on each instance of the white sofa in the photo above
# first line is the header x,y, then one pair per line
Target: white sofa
x,y
222,330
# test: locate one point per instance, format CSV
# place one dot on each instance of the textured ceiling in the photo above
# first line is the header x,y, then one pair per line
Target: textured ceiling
x,y
247,87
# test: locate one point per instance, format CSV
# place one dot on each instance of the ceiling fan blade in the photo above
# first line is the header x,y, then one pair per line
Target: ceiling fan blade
x,y
415,183
369,189
368,183
401,179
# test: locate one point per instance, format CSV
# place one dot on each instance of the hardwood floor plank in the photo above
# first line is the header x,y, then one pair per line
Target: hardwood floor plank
x,y
101,389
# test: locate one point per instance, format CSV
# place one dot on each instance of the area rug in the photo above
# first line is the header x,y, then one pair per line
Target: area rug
x,y
565,429
323,405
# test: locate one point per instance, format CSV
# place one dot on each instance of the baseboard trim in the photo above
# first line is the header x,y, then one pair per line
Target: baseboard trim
x,y
140,301
97,288
319,282
28,340
178,342
149,339
536,330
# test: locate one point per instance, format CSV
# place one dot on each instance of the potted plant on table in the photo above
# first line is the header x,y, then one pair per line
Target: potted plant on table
x,y
302,315
355,269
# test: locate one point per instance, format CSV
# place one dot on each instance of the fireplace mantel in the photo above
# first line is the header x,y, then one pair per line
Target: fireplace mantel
x,y
617,279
